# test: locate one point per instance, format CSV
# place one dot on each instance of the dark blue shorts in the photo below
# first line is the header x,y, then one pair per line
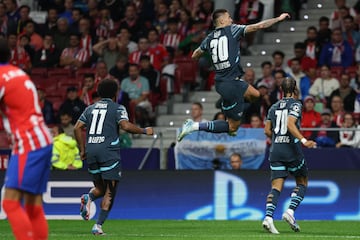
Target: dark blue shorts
x,y
29,172
232,94
280,169
109,170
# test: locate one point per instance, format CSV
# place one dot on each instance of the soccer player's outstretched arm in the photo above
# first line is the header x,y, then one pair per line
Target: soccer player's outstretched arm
x,y
197,54
266,23
132,128
292,128
78,136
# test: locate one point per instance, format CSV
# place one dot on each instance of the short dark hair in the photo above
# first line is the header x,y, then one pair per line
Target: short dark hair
x,y
107,88
263,64
278,52
5,52
288,85
218,13
324,19
299,45
198,104
311,28
89,75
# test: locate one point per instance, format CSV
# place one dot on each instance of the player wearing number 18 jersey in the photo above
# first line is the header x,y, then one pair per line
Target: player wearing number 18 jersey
x,y
29,165
223,44
283,123
102,121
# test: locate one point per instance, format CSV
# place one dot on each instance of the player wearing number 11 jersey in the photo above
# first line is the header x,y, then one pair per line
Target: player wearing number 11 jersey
x,y
223,44
103,121
286,155
29,165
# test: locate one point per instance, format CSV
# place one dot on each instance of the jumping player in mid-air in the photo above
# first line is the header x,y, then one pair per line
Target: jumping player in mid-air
x,y
223,44
286,156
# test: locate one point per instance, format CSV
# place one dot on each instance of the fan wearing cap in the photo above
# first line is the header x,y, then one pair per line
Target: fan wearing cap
x,y
310,118
325,138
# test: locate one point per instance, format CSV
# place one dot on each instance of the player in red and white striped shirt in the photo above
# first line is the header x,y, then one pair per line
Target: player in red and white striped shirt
x,y
29,164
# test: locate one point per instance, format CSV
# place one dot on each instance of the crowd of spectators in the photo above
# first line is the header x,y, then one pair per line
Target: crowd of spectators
x,y
134,42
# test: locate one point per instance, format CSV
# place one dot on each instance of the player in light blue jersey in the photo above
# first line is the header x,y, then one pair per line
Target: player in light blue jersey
x,y
103,121
286,156
223,44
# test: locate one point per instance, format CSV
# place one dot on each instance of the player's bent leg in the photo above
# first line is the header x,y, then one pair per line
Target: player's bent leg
x,y
34,209
17,217
251,93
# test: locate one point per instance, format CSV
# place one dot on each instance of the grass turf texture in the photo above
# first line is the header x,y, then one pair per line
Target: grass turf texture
x,y
196,230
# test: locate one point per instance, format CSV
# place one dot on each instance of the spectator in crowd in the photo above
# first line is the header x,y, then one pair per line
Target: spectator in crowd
x,y
7,25
72,104
12,10
337,108
313,46
235,161
310,118
101,72
67,11
300,53
267,76
66,124
338,52
74,57
324,85
92,9
324,32
248,12
278,62
158,52
277,93
185,22
350,34
138,90
349,138
76,15
161,17
126,45
89,87
62,34
260,106
171,38
337,16
326,138
355,79
87,37
256,121
65,153
193,38
24,17
219,116
203,10
105,26
345,92
148,71
51,20
121,69
48,56
108,50
357,109
175,9
132,22
302,82
46,106
249,76
196,112
19,57
24,42
143,49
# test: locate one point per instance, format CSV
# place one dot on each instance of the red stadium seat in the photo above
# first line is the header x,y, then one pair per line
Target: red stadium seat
x,y
188,69
336,72
59,72
5,142
39,73
82,71
351,71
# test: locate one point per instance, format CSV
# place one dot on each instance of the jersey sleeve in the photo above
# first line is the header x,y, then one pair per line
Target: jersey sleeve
x,y
121,114
83,117
238,31
203,44
295,110
268,117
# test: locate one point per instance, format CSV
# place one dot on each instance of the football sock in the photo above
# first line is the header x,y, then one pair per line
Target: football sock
x,y
102,217
38,221
93,197
216,126
18,219
271,202
297,196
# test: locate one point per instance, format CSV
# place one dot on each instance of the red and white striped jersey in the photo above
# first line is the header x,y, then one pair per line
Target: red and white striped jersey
x,y
171,40
134,57
78,53
20,110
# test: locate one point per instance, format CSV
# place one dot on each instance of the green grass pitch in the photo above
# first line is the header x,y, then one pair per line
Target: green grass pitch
x,y
195,230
